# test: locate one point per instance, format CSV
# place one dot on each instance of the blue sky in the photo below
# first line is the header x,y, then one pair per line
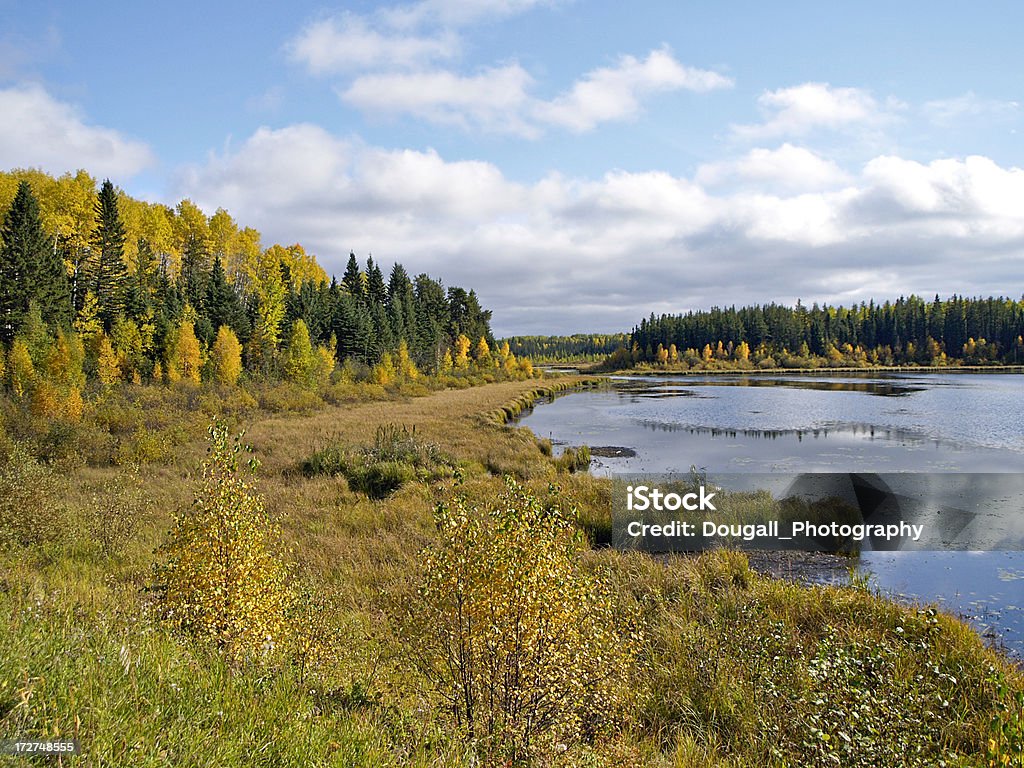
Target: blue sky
x,y
580,164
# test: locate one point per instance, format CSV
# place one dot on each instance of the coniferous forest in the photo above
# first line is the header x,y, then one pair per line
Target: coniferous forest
x,y
909,331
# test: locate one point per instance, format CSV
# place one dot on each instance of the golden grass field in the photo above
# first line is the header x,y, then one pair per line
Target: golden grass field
x,y
732,669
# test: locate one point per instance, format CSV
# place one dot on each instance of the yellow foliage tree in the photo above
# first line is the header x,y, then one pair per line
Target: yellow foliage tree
x,y
383,373
462,345
186,360
226,357
108,369
510,365
301,362
515,636
406,367
447,364
743,352
526,367
3,361
222,576
482,353
21,373
326,363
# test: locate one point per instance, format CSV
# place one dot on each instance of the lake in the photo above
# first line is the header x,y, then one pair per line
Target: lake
x,y
865,423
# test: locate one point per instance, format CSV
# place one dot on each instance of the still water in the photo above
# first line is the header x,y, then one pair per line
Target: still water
x,y
853,423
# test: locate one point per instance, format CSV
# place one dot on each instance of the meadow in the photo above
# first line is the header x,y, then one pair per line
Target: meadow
x,y
672,661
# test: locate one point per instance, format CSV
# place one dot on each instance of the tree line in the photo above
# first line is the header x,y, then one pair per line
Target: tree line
x,y
143,292
578,347
911,330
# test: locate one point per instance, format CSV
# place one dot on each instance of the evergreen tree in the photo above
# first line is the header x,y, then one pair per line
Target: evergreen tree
x,y
107,276
222,305
139,296
352,280
376,291
30,269
193,279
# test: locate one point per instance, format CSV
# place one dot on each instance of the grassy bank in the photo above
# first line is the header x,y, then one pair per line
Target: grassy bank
x,y
718,666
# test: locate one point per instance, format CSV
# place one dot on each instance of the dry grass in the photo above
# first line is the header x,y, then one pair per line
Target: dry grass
x,y
65,611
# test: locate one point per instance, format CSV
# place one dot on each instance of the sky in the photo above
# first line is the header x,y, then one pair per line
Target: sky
x,y
579,164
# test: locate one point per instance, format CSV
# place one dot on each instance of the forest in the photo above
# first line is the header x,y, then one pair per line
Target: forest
x,y
909,331
134,291
579,347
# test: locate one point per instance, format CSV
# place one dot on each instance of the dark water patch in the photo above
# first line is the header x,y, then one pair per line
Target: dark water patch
x,y
612,451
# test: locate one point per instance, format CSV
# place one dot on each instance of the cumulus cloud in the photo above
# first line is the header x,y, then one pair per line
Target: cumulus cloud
x,y
498,99
492,100
800,109
565,254
787,168
348,42
392,60
613,93
37,130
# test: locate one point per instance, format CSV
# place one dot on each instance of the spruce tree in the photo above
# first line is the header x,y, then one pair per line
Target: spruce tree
x,y
25,248
223,306
107,271
376,291
352,280
193,279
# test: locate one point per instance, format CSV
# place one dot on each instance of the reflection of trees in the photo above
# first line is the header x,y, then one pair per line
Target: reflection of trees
x,y
881,388
871,431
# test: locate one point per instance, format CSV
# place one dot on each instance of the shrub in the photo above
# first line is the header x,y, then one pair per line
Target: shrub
x,y
30,510
395,458
222,579
511,631
115,512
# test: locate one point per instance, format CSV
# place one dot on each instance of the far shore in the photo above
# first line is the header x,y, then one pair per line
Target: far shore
x,y
800,371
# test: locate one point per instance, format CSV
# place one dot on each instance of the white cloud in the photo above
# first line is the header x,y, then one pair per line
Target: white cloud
x,y
787,168
563,254
456,13
498,99
800,109
492,100
945,111
613,93
37,130
348,42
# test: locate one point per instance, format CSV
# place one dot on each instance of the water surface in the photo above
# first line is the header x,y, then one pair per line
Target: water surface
x,y
887,422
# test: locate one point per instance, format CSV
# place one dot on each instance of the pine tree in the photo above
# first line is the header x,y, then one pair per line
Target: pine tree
x,y
107,276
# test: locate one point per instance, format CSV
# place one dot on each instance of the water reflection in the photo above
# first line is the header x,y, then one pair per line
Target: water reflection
x,y
639,387
851,423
